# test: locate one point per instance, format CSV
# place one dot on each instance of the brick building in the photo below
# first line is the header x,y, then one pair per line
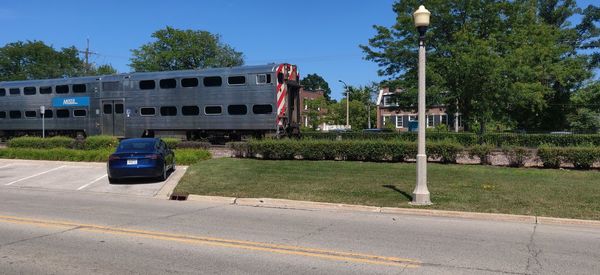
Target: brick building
x,y
305,96
388,113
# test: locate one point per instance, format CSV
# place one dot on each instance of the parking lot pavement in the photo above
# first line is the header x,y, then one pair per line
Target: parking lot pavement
x,y
78,176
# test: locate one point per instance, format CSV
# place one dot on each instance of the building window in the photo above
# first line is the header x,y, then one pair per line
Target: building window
x,y
2,92
262,109
399,121
236,80
412,118
45,90
190,110
30,114
237,109
62,113
170,83
147,85
79,113
212,81
14,114
147,111
14,91
389,101
62,89
189,82
444,119
79,88
213,110
29,91
3,114
263,79
430,121
168,111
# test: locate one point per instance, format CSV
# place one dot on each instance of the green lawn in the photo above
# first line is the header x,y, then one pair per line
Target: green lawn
x,y
543,192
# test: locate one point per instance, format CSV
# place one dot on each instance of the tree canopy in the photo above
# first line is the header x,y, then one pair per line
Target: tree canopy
x,y
513,62
175,49
314,82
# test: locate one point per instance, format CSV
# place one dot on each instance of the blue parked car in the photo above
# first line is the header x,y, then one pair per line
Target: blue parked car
x,y
140,158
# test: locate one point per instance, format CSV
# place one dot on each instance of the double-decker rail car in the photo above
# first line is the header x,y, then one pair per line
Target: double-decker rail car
x,y
234,102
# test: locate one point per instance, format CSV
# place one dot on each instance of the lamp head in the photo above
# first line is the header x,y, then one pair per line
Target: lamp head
x,y
421,17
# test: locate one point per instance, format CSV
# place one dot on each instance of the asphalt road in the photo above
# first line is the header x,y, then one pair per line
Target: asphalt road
x,y
70,232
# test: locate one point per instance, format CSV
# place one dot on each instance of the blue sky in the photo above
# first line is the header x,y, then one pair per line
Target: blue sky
x,y
319,36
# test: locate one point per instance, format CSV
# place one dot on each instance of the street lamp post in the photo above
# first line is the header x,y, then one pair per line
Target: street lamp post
x,y
421,193
347,103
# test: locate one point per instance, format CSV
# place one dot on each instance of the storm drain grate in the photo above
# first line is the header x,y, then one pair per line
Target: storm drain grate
x,y
179,196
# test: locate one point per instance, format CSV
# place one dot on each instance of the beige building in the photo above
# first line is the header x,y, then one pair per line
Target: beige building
x,y
389,115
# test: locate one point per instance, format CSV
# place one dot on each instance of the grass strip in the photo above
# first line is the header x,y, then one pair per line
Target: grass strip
x,y
182,156
543,192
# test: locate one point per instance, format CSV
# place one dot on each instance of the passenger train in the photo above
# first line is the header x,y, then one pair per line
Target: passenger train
x,y
220,102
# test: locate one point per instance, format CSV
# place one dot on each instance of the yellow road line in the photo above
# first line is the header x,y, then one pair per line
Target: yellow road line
x,y
239,244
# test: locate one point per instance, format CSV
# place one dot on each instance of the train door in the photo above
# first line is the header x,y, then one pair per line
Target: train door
x,y
113,117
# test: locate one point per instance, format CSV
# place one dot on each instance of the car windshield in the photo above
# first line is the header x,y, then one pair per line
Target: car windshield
x,y
136,146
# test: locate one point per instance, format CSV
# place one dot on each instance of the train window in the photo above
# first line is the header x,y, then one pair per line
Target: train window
x,y
168,111
107,109
62,113
118,108
110,86
79,113
31,114
62,89
79,88
2,92
236,80
2,114
212,81
213,110
147,85
280,78
147,111
14,91
237,109
190,110
14,114
47,114
189,82
29,91
45,90
263,79
262,109
170,83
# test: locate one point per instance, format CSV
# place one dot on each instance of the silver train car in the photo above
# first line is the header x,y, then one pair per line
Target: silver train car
x,y
221,102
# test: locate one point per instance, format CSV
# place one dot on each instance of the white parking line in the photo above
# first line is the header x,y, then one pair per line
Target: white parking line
x,y
38,174
5,166
103,176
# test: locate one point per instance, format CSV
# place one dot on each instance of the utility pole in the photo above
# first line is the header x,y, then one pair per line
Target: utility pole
x,y
347,103
86,55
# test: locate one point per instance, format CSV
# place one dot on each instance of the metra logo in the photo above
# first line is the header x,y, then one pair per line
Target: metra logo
x,y
69,101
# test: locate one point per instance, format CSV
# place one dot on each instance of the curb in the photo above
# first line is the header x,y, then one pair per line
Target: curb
x,y
308,205
165,191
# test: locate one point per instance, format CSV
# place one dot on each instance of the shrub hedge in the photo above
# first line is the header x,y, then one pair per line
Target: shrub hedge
x,y
56,154
353,150
580,157
483,152
41,143
470,139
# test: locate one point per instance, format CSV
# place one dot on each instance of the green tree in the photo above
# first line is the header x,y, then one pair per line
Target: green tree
x,y
315,111
508,61
36,60
586,102
175,49
106,69
313,82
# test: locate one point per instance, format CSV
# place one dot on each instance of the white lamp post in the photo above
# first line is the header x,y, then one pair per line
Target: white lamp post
x,y
421,193
347,103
